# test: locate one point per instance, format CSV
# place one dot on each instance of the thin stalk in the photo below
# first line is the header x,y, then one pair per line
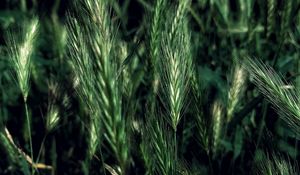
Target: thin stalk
x,y
262,124
23,5
41,148
102,161
29,132
26,157
210,163
175,148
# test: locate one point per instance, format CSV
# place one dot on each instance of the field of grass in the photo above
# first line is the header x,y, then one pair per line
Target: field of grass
x,y
154,87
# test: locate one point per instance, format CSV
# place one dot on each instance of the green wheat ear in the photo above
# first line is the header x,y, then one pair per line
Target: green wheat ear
x,y
217,125
155,38
284,97
21,52
53,114
176,64
236,89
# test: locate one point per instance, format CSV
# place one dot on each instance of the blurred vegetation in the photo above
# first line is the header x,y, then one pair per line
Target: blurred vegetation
x,y
226,126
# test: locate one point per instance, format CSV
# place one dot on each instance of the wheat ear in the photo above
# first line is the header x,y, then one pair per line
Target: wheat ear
x,y
284,97
176,64
21,54
236,89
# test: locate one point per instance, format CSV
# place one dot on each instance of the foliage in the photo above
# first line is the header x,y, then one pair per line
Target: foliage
x,y
149,87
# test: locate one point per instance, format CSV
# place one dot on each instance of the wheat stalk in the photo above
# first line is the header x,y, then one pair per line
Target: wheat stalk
x,y
21,53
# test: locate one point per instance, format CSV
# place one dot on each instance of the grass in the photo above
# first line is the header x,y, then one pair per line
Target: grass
x,y
149,87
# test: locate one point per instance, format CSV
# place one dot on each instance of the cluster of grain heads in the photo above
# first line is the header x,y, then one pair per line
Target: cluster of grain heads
x,y
171,71
91,43
236,90
284,97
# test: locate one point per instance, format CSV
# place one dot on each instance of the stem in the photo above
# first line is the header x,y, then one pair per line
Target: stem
x,y
41,148
102,161
21,152
210,163
29,131
262,124
23,6
175,146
